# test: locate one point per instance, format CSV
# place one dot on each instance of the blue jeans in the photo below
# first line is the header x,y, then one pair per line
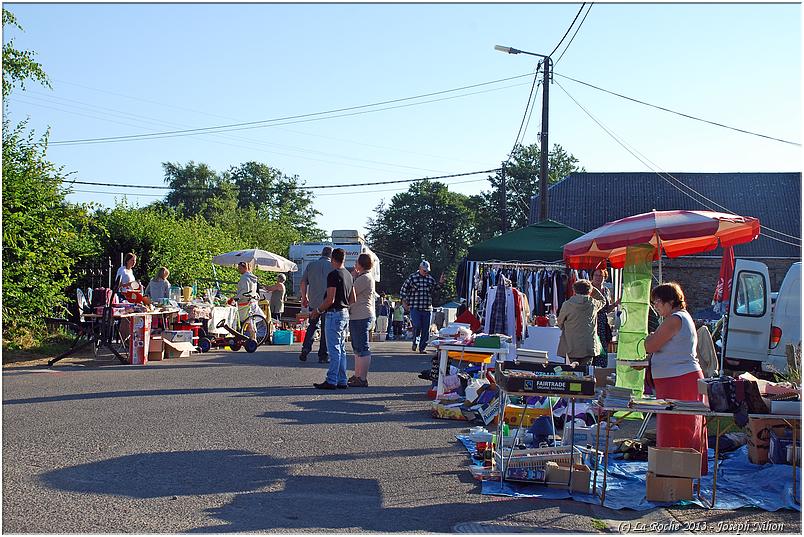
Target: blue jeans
x,y
420,319
335,327
359,330
309,335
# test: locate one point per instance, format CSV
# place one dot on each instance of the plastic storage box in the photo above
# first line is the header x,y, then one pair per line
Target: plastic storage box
x,y
780,440
283,337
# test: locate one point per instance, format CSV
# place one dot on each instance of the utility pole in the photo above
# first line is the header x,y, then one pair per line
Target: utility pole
x,y
544,213
544,150
503,201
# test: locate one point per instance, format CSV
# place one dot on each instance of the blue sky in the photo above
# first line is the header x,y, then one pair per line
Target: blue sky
x,y
120,69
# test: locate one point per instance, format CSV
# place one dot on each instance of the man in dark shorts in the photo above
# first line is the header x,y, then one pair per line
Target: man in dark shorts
x,y
335,308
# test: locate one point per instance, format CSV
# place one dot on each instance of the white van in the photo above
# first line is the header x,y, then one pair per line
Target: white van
x,y
351,241
759,332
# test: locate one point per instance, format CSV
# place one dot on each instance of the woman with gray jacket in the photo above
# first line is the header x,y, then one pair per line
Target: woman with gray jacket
x,y
578,322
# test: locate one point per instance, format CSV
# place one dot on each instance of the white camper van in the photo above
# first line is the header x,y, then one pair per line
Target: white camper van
x,y
758,332
351,241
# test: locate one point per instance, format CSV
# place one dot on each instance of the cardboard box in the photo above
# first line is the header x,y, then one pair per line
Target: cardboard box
x,y
558,477
759,430
178,349
668,489
543,384
178,336
156,343
601,376
156,355
140,340
674,462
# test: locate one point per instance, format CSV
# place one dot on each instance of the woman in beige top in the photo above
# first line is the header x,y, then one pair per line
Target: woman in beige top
x,y
361,317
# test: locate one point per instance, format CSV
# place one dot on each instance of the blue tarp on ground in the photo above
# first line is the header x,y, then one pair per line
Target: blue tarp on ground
x,y
739,484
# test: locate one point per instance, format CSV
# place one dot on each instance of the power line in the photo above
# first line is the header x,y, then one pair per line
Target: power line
x,y
303,133
393,189
254,144
573,35
532,108
267,122
678,113
568,29
295,187
527,106
531,103
316,195
679,181
293,122
634,154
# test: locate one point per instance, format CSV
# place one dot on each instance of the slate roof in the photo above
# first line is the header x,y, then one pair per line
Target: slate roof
x,y
586,201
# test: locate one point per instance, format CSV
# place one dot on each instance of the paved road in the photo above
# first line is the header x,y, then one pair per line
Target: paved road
x,y
237,442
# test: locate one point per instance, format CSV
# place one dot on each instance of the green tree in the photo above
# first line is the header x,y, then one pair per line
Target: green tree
x,y
522,183
43,235
18,65
196,189
275,196
425,222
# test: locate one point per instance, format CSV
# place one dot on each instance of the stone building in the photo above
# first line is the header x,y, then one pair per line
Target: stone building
x,y
585,201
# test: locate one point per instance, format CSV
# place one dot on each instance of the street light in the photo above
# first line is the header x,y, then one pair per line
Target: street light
x,y
543,162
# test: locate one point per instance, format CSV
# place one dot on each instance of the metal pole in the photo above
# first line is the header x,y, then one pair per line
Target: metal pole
x,y
503,201
543,160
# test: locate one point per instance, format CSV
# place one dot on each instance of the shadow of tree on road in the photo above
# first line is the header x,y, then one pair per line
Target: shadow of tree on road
x,y
345,504
165,474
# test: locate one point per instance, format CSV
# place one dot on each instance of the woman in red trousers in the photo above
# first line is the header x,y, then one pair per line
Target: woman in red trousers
x,y
675,370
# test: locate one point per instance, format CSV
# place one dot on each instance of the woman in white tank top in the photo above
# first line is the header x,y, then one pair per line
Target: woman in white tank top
x,y
675,370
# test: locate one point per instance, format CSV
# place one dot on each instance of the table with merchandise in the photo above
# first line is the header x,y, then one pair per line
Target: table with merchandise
x,y
708,416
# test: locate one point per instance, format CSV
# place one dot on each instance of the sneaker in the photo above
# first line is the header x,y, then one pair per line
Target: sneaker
x,y
343,386
324,360
413,347
303,355
357,382
324,386
422,351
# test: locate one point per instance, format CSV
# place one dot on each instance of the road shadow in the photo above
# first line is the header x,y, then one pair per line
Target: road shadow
x,y
306,390
332,409
321,504
265,356
248,391
167,474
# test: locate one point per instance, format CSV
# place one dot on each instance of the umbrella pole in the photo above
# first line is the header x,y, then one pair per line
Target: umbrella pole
x,y
659,248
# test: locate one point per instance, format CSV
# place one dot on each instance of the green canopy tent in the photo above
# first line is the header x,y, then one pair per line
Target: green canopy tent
x,y
541,243
537,242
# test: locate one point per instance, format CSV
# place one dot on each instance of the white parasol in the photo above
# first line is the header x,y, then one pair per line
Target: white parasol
x,y
260,259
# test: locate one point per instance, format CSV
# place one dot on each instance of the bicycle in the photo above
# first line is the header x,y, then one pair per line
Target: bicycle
x,y
253,332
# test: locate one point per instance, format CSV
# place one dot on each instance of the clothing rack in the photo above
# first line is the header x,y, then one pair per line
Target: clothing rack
x,y
474,266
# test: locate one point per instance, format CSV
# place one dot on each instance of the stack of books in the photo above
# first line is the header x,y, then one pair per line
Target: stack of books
x,y
692,406
615,397
531,356
649,405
